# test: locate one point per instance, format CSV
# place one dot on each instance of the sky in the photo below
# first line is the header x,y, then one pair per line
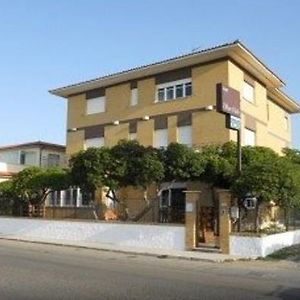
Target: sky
x,y
48,44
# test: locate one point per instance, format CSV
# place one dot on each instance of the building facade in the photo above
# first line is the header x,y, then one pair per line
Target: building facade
x,y
175,100
14,158
38,154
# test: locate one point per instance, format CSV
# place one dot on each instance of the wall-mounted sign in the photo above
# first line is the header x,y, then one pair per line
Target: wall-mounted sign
x,y
233,122
249,201
228,100
189,207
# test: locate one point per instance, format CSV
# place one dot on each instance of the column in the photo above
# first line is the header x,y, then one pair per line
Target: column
x,y
191,211
224,198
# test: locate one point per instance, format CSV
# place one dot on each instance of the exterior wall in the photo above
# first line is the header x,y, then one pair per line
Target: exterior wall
x,y
269,125
248,246
7,170
114,234
208,127
10,157
39,156
69,212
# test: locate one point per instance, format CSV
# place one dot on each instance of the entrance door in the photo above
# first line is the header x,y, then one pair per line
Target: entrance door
x,y
172,206
207,225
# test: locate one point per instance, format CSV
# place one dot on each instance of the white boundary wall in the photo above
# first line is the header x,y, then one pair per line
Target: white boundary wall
x,y
262,246
119,234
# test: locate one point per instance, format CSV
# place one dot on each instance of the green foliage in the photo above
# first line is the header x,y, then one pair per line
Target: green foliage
x,y
182,163
293,155
127,163
33,184
220,164
288,185
95,167
141,165
7,197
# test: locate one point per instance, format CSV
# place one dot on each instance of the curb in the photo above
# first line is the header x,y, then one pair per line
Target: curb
x,y
160,256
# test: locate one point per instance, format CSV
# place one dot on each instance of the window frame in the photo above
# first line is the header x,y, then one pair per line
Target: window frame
x,y
245,85
91,106
155,138
173,85
190,133
244,139
134,99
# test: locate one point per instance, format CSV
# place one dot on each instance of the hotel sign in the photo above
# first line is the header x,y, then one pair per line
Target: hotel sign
x,y
228,100
228,103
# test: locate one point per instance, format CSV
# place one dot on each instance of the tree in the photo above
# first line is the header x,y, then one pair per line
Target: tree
x,y
96,167
8,197
182,163
34,184
141,165
288,188
259,177
220,164
292,154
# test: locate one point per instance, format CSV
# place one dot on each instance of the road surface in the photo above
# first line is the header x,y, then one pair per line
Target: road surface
x,y
35,271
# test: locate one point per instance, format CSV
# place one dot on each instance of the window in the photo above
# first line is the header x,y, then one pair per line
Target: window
x,y
184,135
28,158
179,90
132,136
95,105
94,142
52,197
174,90
248,92
134,97
161,138
22,158
161,94
249,137
53,160
170,92
188,89
68,197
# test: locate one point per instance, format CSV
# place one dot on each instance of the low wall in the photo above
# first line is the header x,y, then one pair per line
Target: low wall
x,y
119,234
52,212
262,246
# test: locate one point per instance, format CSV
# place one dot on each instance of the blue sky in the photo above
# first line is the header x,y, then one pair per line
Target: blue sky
x,y
48,44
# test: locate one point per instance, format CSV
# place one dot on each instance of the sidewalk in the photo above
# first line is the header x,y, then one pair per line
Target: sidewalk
x,y
160,253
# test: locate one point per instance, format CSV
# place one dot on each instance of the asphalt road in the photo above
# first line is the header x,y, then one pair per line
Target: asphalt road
x,y
34,271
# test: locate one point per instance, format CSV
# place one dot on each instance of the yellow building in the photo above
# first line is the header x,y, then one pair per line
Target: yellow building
x,y
175,101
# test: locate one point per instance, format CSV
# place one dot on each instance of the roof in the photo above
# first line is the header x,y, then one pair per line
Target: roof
x,y
39,144
235,50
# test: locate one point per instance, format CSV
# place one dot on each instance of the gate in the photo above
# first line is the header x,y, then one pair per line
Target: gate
x,y
207,225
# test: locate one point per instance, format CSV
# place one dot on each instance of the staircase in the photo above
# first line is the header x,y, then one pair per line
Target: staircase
x,y
208,248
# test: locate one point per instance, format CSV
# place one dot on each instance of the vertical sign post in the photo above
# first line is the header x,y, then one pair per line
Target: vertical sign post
x,y
228,103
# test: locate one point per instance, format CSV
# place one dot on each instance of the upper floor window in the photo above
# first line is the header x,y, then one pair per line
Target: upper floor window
x,y
174,90
53,160
95,105
248,92
249,137
134,97
28,158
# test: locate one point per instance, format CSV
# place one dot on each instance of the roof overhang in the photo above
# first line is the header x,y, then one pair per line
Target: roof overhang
x,y
235,51
282,99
